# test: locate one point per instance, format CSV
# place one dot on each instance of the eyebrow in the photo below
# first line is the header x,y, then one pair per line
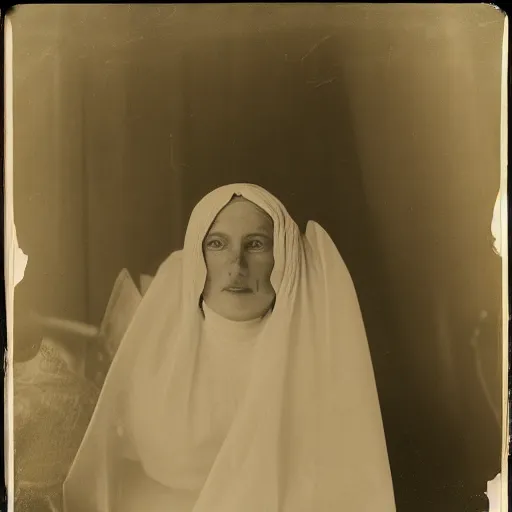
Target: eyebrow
x,y
261,232
216,233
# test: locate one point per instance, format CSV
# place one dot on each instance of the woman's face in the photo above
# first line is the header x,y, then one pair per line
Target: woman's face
x,y
238,251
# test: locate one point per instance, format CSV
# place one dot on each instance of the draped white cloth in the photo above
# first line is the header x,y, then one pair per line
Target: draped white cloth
x,y
307,434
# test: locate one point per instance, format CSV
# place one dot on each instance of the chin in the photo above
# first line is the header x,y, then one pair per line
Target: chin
x,y
237,310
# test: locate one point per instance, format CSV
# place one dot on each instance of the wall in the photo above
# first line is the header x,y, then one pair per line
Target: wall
x,y
48,178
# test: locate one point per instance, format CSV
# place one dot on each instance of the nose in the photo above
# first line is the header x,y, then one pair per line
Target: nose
x,y
238,264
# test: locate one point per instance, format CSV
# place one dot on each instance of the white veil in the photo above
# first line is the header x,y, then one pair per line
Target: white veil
x,y
308,436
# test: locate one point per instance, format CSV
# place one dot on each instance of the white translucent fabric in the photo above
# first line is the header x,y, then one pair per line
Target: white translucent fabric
x,y
308,434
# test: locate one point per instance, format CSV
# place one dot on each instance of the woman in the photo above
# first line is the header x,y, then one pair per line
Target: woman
x,y
244,383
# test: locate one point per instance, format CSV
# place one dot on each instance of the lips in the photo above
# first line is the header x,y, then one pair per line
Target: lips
x,y
238,289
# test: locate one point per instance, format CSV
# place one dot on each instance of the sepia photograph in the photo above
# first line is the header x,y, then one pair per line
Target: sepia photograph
x,y
256,257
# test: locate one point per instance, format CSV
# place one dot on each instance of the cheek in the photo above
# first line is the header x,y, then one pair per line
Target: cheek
x,y
261,269
216,264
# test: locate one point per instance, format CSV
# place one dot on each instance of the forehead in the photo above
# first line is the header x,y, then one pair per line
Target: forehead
x,y
242,215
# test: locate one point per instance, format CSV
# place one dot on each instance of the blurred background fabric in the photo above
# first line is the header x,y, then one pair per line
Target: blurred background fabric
x,y
53,405
56,391
379,121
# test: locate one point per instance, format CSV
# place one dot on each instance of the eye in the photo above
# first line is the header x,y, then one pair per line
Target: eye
x,y
215,244
254,244
257,245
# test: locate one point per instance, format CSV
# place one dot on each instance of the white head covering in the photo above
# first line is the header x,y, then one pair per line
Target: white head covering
x,y
308,435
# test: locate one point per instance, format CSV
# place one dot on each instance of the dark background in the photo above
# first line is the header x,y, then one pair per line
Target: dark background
x,y
381,122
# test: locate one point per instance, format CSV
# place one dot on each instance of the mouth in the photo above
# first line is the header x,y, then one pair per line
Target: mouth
x,y
238,289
